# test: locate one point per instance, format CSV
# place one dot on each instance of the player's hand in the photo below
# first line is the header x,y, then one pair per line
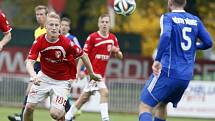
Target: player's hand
x,y
95,77
156,68
36,81
114,49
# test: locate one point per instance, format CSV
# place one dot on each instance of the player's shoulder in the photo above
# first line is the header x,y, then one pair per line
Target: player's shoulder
x,y
36,29
71,35
94,34
112,35
2,14
64,39
41,37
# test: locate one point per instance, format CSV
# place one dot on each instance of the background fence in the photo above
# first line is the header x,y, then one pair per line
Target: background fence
x,y
124,94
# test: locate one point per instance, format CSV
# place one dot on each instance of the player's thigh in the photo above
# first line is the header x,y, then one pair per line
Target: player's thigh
x,y
103,90
178,88
155,90
38,93
59,94
30,106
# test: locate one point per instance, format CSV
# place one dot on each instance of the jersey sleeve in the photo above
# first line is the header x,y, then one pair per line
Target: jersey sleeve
x,y
4,25
75,40
116,44
75,50
34,51
88,45
204,36
166,28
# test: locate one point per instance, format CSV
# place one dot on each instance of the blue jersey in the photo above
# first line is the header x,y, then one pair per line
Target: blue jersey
x,y
73,38
178,43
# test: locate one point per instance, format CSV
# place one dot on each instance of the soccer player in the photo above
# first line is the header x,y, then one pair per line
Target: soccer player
x,y
99,46
40,12
6,29
65,28
53,79
174,62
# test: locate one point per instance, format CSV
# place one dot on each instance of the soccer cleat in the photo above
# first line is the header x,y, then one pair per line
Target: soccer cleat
x,y
73,119
14,118
77,113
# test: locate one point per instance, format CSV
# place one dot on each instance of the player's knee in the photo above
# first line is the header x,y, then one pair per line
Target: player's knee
x,y
161,111
29,108
161,107
144,108
56,114
104,93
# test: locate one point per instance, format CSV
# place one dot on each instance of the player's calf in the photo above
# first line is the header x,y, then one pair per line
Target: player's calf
x,y
28,112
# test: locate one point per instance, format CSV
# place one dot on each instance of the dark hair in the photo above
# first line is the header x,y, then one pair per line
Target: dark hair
x,y
179,3
66,19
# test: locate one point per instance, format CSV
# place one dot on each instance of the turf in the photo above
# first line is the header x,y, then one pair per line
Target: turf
x,y
43,115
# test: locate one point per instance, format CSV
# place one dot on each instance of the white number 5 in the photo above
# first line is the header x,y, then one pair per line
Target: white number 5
x,y
187,38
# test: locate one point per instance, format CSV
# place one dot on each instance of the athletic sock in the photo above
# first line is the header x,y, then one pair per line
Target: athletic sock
x,y
146,116
104,111
23,106
69,115
157,119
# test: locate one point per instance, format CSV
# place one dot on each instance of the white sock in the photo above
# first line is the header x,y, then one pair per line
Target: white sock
x,y
104,111
71,112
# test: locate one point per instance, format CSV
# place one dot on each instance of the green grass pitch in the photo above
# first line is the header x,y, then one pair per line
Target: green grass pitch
x,y
43,115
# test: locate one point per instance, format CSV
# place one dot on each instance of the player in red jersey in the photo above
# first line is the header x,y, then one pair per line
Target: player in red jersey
x,y
99,46
6,29
53,79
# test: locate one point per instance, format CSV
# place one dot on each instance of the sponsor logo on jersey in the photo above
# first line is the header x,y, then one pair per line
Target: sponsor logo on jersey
x,y
102,57
57,54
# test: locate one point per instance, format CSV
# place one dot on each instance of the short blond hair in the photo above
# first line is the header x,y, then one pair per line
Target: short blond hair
x,y
42,7
52,14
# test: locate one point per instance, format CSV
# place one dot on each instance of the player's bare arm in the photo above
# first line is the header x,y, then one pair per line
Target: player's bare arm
x,y
32,73
5,40
88,65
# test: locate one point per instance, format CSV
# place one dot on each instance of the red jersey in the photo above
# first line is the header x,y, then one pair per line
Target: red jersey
x,y
55,56
98,49
4,24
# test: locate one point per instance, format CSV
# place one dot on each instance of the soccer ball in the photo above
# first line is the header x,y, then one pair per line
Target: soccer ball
x,y
124,7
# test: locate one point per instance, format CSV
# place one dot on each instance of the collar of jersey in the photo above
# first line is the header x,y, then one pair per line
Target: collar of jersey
x,y
49,41
178,10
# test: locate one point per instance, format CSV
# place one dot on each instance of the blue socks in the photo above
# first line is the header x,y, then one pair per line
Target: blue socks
x,y
157,119
146,116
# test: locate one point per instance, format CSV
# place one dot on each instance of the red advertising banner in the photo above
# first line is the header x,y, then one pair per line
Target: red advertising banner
x,y
12,61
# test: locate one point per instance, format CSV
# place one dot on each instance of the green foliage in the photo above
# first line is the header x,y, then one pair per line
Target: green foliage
x,y
84,15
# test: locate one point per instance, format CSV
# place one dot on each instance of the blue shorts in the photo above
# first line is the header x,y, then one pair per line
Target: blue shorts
x,y
37,66
163,89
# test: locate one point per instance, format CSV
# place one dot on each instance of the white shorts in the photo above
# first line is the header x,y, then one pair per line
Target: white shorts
x,y
94,85
56,89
